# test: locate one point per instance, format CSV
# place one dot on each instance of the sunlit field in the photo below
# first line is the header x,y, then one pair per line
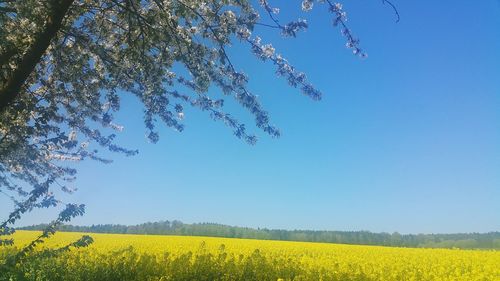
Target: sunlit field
x,y
144,257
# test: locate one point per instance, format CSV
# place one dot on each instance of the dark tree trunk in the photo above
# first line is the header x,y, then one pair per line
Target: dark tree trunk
x,y
10,90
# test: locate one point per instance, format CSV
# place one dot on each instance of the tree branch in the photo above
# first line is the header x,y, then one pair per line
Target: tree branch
x,y
396,12
7,55
12,87
7,10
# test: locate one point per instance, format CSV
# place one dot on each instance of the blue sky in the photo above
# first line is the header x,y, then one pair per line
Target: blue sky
x,y
406,140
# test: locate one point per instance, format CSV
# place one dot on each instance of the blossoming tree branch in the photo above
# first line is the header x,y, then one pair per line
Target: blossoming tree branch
x,y
65,64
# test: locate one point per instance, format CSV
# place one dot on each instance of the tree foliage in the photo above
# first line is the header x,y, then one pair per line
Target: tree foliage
x,y
65,65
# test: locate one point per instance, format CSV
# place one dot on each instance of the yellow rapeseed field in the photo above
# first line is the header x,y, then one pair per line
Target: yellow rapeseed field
x,y
149,257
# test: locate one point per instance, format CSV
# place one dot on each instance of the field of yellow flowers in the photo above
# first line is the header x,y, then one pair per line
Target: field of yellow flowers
x,y
144,257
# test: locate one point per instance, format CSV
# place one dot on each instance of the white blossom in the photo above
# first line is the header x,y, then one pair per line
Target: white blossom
x,y
268,50
244,33
307,5
116,127
72,136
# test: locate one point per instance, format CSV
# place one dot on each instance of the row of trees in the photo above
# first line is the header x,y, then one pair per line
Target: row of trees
x,y
489,240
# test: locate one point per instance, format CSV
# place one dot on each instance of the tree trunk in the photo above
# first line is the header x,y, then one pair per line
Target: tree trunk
x,y
10,90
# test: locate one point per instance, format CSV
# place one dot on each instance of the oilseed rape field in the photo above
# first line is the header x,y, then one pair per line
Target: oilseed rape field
x,y
151,257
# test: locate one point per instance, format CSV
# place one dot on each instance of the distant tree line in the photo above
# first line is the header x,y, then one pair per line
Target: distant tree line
x,y
489,240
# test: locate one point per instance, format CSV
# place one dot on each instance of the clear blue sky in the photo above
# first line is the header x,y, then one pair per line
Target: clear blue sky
x,y
407,140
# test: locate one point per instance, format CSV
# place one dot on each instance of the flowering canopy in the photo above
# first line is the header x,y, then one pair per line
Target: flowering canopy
x,y
64,65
